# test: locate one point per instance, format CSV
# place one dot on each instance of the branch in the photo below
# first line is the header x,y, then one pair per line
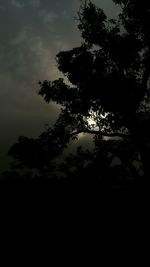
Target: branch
x,y
100,133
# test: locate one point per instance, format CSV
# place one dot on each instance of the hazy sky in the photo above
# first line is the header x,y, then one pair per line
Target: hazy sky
x,y
32,33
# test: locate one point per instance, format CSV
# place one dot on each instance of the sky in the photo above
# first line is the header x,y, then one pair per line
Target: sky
x,y
32,33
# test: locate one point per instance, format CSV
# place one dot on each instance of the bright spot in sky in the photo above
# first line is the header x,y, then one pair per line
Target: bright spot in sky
x,y
92,124
81,135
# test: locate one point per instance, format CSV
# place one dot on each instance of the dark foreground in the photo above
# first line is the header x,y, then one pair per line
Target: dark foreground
x,y
70,213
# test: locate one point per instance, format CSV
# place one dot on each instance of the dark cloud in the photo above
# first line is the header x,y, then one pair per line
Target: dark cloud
x,y
32,33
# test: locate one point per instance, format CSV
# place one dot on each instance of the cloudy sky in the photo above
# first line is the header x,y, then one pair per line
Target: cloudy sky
x,y
32,33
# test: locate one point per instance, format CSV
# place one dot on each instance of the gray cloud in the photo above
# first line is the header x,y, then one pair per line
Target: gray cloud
x,y
31,35
17,3
22,4
48,17
35,3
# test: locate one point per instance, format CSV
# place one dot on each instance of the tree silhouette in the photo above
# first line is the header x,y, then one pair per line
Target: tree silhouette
x,y
107,83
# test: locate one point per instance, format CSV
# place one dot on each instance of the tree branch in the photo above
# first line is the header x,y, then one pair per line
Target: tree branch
x,y
121,135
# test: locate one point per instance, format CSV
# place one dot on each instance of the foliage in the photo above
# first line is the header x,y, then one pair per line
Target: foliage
x,y
108,79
